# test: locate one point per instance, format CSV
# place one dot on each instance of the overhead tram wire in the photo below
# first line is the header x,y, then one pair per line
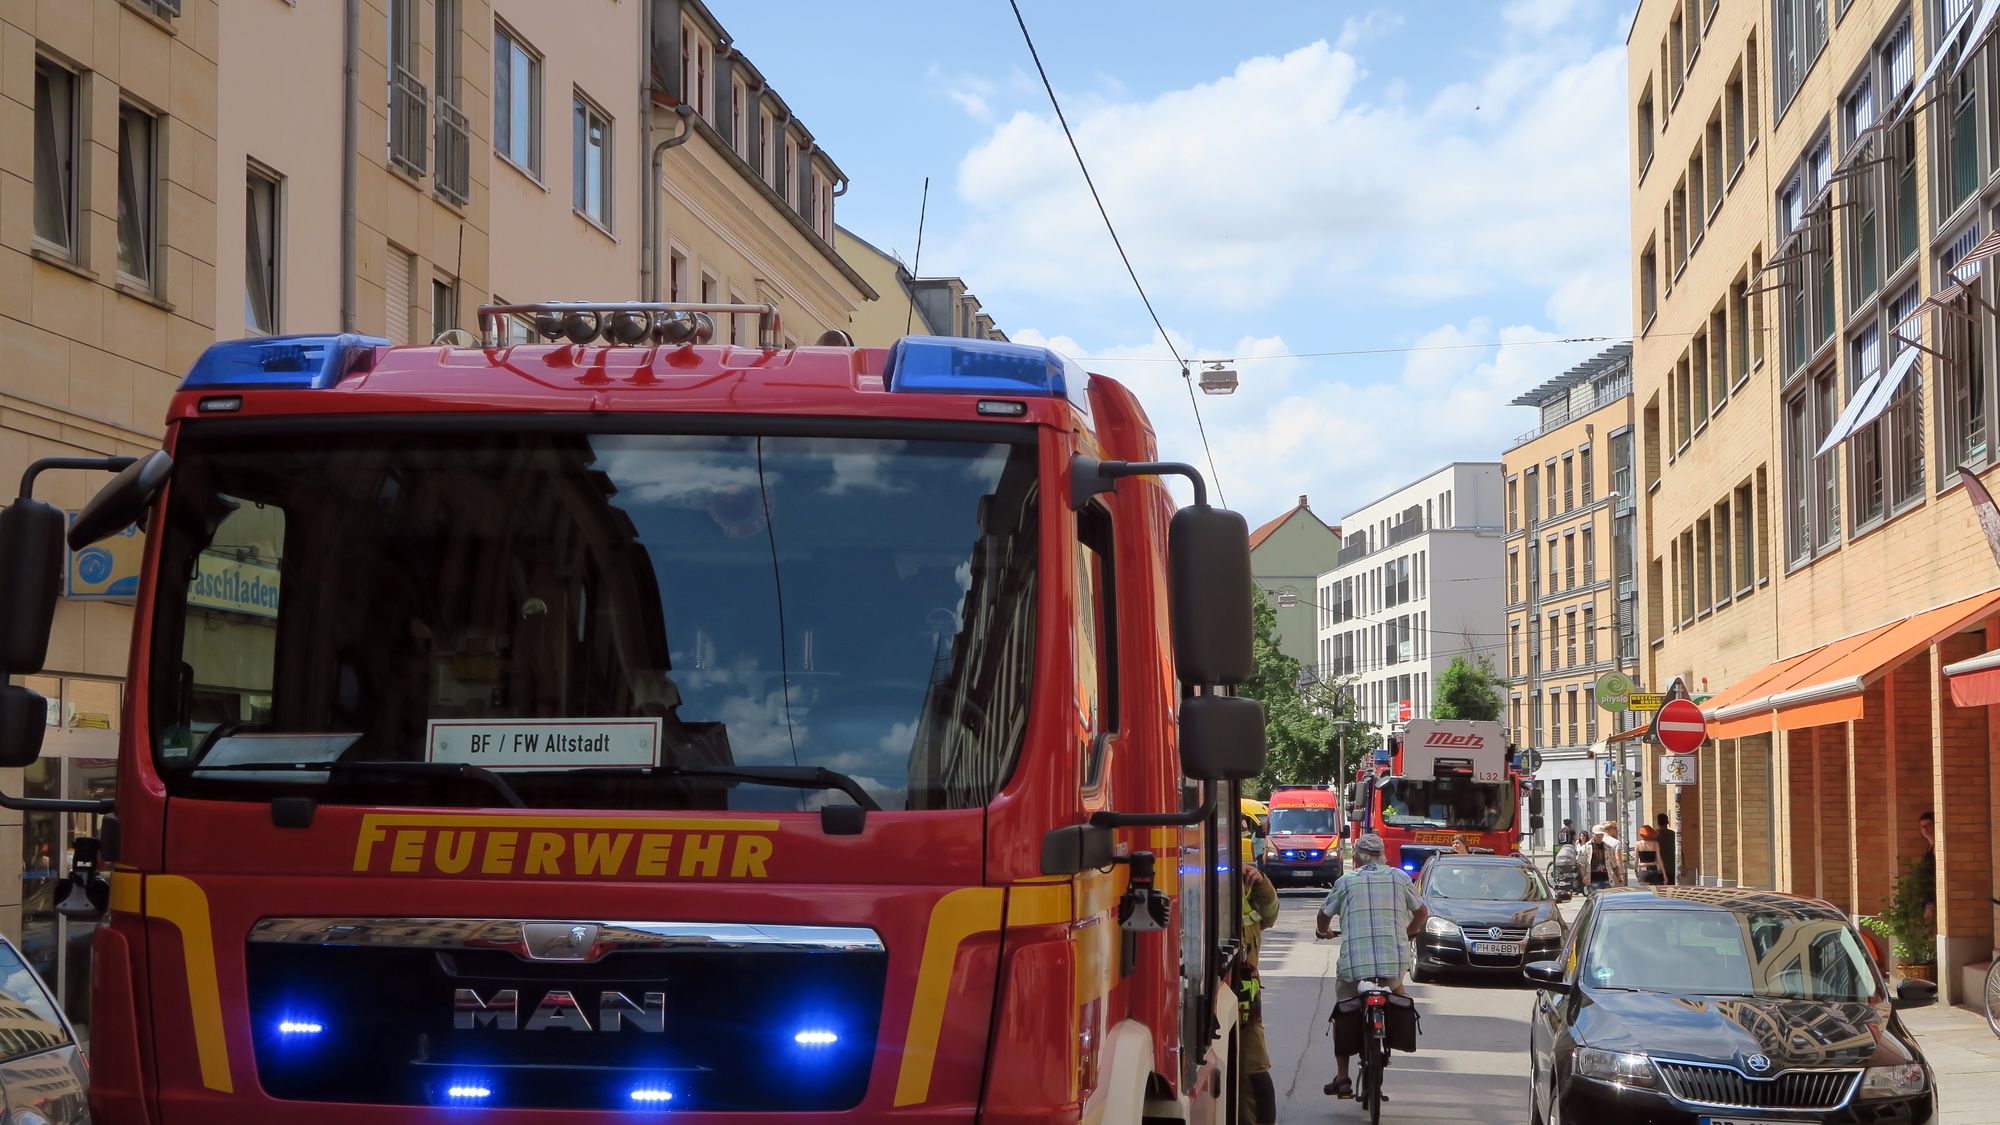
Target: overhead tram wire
x,y
1186,377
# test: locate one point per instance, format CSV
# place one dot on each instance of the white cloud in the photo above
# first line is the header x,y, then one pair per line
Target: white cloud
x,y
1342,439
1356,30
1296,174
1539,17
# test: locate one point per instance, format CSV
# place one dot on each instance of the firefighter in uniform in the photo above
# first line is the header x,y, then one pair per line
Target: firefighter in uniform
x,y
1260,913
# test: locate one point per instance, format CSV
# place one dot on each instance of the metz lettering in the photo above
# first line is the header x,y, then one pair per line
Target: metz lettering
x,y
558,852
1452,741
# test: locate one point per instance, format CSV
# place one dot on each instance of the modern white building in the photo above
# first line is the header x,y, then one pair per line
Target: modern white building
x,y
1420,580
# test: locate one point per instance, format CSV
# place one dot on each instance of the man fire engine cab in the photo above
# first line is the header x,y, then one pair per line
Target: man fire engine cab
x,y
624,721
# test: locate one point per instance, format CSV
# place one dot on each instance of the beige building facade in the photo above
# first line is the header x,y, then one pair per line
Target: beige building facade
x,y
107,258
906,305
1813,185
1572,583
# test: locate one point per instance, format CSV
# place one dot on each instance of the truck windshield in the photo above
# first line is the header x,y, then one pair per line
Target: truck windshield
x,y
596,618
1303,822
1448,802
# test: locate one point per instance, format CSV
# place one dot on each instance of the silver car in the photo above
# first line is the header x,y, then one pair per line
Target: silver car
x,y
44,1079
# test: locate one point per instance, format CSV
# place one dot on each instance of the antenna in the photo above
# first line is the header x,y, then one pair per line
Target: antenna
x,y
922,209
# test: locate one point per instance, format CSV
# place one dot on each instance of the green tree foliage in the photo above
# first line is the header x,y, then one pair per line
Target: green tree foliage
x,y
1305,731
1467,691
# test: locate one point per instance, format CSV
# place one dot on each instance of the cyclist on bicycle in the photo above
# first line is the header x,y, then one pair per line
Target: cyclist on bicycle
x,y
1380,911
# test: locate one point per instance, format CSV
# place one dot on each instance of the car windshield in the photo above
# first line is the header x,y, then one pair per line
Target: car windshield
x,y
1494,882
581,614
1303,822
1447,802
1720,953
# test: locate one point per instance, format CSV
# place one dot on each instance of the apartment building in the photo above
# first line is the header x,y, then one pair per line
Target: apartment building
x,y
1813,191
107,251
1288,553
906,305
1572,589
1417,582
746,196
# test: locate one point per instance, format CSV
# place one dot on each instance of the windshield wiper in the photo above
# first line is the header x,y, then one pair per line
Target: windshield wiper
x,y
791,777
487,777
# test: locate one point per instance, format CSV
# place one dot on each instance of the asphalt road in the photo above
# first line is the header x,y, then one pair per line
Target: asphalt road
x,y
1472,1060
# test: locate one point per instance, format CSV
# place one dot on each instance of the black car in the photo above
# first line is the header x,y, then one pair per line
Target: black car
x,y
1488,914
1705,1006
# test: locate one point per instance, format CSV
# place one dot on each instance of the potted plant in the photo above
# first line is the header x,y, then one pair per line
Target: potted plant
x,y
1912,931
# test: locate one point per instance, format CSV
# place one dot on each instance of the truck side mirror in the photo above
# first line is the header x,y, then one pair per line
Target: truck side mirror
x,y
1221,737
23,719
120,503
31,573
1208,589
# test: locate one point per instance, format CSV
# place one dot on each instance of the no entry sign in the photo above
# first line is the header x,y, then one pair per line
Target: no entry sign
x,y
1681,727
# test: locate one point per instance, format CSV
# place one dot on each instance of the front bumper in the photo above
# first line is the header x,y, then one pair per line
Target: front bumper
x,y
1453,954
1300,873
1587,1100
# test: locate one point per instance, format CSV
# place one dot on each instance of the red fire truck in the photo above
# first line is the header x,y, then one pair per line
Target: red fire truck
x,y
624,722
1436,779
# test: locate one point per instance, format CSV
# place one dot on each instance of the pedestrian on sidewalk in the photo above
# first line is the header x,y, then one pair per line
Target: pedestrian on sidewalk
x,y
1927,863
1648,852
1566,834
1669,853
1380,912
1598,863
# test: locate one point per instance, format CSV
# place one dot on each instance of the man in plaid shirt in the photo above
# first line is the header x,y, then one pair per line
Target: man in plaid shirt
x,y
1380,911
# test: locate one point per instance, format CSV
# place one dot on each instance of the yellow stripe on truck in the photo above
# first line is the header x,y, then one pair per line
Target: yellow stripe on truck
x,y
182,904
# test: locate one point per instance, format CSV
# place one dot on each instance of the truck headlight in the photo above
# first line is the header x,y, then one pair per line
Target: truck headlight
x,y
1548,929
1621,1067
1893,1081
1438,927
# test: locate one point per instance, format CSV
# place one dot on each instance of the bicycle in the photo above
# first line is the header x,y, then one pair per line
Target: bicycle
x,y
1993,987
1374,1048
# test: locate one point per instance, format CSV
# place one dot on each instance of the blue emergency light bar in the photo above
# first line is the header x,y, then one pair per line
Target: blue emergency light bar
x,y
951,365
280,362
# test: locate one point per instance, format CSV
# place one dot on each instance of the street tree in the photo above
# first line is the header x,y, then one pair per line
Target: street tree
x,y
1307,722
1467,691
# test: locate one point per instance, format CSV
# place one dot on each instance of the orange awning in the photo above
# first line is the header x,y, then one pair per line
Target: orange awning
x,y
1975,682
1825,684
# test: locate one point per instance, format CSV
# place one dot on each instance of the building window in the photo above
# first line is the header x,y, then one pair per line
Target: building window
x,y
1644,127
1812,498
1704,568
1589,634
764,126
1799,35
138,179
1569,645
1808,273
709,287
1569,561
1589,555
1723,555
739,117
697,57
517,102
1684,563
1513,577
1698,379
677,276
56,146
260,266
1569,483
1956,117
1589,489
444,306
1745,538
1732,105
1865,492
1966,391
788,174
1649,283
591,161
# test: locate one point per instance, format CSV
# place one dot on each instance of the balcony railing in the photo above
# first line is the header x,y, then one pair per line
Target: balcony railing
x,y
453,145
409,120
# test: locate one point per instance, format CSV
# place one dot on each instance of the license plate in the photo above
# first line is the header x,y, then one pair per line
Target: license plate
x,y
1751,1121
1300,874
1503,949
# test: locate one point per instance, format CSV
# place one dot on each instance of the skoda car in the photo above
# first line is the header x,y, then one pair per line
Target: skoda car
x,y
1705,1006
1489,914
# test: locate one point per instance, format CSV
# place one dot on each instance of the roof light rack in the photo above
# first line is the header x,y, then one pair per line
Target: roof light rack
x,y
625,322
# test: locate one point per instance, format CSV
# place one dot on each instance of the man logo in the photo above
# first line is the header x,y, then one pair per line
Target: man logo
x,y
1758,1063
557,1011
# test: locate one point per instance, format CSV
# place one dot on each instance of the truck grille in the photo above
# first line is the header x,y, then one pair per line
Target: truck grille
x,y
1726,1088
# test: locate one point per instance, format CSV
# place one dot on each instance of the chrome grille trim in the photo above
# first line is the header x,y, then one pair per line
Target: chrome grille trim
x,y
511,935
1474,932
1725,1087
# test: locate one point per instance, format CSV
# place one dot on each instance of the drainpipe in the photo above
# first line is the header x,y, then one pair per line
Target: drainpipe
x,y
686,113
349,172
645,128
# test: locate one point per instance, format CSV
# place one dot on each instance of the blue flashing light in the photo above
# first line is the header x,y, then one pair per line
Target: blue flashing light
x,y
815,1037
294,362
950,365
652,1095
300,1027
467,1092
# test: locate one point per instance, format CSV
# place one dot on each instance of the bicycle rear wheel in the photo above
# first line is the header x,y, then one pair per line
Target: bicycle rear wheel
x,y
1371,1078
1993,997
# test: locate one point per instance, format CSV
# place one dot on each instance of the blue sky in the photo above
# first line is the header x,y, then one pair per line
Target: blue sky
x,y
1288,176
